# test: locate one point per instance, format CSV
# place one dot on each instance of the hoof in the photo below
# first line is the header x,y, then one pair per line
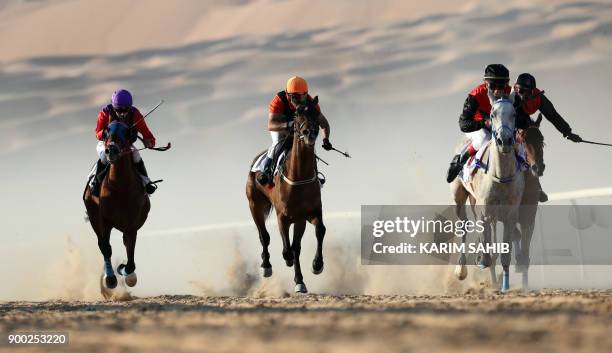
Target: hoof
x,y
317,269
301,288
122,271
110,281
461,272
289,263
266,271
131,279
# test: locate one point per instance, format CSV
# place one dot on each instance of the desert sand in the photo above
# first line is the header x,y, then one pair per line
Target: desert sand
x,y
551,320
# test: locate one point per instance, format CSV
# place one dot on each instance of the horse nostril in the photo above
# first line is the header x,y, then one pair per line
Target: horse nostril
x,y
306,132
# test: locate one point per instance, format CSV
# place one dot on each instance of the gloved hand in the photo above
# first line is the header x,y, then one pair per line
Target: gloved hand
x,y
573,137
148,143
326,144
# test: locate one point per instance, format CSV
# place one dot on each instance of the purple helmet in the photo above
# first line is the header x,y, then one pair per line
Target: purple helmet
x,y
122,99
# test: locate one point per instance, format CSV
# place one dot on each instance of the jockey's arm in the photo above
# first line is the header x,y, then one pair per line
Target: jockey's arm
x,y
277,122
101,125
141,126
551,114
324,124
466,119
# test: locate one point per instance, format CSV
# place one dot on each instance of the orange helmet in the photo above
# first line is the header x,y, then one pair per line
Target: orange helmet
x,y
296,84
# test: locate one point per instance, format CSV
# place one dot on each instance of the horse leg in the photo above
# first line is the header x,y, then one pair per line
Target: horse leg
x,y
128,270
509,230
110,280
258,212
460,195
283,227
296,247
485,259
527,227
317,262
492,269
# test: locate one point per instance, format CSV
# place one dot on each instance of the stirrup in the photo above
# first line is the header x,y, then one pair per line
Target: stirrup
x,y
453,171
150,188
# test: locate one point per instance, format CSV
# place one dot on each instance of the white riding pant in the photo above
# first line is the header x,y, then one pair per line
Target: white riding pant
x,y
479,138
277,138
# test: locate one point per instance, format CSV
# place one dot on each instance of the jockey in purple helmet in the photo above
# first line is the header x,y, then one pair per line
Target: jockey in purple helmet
x,y
122,109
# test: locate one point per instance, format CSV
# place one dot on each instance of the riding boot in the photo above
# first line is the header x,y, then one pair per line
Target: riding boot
x,y
266,175
456,165
98,177
140,168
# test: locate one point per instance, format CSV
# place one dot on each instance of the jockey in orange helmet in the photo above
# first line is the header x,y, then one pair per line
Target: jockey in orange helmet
x,y
280,121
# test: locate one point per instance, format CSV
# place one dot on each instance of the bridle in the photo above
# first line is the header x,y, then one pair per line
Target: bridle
x,y
124,147
297,129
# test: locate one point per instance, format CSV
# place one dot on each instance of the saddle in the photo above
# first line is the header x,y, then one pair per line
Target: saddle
x,y
481,161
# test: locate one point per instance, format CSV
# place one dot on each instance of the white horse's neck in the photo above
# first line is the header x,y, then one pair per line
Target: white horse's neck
x,y
502,166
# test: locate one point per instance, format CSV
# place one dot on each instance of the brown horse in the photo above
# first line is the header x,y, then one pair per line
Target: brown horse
x,y
295,195
123,204
534,148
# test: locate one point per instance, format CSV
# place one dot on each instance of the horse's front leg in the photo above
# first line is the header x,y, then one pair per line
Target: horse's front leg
x,y
461,269
128,270
283,227
296,247
485,258
460,195
509,231
103,232
317,221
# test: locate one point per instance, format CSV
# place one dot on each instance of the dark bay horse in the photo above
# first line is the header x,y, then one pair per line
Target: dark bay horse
x,y
534,148
123,204
295,195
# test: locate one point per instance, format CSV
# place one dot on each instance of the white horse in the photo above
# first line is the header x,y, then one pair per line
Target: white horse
x,y
495,191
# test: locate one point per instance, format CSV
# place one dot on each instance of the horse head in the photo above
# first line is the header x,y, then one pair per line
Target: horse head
x,y
503,122
306,124
117,140
534,148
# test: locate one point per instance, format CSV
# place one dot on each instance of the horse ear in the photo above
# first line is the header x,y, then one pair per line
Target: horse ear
x,y
315,100
538,120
